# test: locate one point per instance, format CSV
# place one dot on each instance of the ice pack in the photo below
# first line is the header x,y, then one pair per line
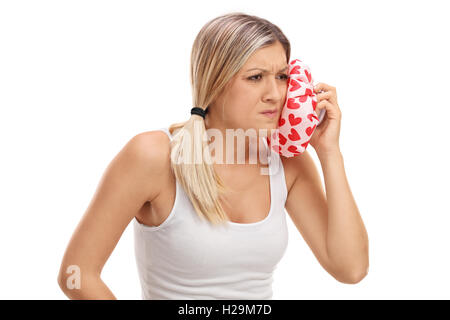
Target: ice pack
x,y
298,119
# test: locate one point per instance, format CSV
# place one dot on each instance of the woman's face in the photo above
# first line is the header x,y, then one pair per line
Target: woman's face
x,y
260,85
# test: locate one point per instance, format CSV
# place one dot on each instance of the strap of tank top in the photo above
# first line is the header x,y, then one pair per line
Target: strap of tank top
x,y
277,169
166,130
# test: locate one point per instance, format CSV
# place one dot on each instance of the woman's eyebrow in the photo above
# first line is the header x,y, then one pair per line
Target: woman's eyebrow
x,y
285,68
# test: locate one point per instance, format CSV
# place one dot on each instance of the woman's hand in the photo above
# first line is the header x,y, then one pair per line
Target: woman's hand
x,y
325,138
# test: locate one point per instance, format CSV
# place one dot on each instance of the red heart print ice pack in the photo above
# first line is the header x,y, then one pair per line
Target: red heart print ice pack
x,y
298,119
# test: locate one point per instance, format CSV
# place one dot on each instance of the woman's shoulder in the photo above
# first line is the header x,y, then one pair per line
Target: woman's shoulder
x,y
152,150
153,146
152,143
151,137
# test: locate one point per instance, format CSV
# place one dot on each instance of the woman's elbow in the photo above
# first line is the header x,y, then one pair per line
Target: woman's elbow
x,y
69,278
354,277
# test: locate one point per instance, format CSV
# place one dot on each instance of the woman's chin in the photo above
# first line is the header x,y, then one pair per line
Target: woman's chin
x,y
271,125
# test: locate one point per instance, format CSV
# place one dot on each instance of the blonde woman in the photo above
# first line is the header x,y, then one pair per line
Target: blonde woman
x,y
209,228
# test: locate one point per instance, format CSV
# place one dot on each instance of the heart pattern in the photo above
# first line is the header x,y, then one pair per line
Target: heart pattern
x,y
309,116
298,119
294,85
292,105
293,149
293,120
294,136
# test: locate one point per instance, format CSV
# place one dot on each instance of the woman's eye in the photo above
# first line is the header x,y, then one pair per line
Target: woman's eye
x,y
253,77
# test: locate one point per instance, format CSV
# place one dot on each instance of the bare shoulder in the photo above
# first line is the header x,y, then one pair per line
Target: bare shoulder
x,y
151,150
151,145
154,144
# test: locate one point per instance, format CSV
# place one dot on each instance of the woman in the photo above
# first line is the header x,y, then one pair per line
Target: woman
x,y
216,229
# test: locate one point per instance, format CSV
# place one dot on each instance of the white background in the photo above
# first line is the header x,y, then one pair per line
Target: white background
x,y
78,79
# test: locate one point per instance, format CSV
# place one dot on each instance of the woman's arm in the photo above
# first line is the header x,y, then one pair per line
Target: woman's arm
x,y
130,180
316,215
347,240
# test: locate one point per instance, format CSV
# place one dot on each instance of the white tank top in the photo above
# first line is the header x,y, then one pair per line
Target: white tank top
x,y
188,258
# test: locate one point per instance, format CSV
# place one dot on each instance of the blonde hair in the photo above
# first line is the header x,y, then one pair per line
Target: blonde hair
x,y
219,51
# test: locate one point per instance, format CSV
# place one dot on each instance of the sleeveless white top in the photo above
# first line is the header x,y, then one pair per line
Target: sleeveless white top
x,y
188,258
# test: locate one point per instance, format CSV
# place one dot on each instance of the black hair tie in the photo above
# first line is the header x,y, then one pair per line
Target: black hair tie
x,y
199,111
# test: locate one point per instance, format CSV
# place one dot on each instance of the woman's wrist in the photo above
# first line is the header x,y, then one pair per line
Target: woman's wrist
x,y
329,154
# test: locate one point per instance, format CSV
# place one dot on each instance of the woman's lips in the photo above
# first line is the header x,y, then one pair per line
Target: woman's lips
x,y
269,114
